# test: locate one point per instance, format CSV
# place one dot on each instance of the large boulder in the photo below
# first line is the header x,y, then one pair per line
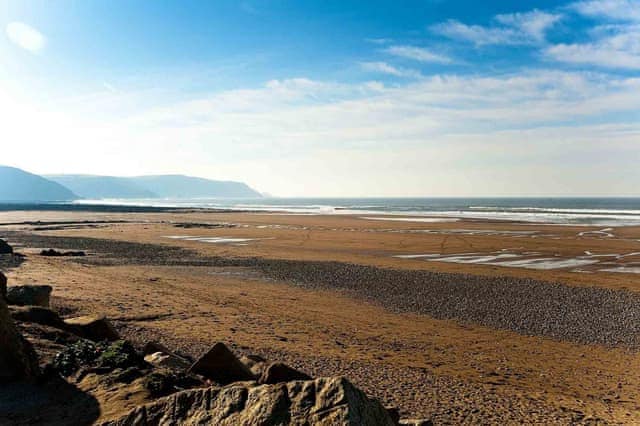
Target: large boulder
x,y
18,360
220,365
278,372
326,401
34,295
5,248
3,286
96,328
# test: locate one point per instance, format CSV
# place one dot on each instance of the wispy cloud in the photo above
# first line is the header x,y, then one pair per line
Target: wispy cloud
x,y
25,36
286,111
476,34
533,24
419,54
615,40
619,50
385,68
512,29
622,10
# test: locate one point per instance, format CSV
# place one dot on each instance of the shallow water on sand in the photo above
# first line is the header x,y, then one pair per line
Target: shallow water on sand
x,y
529,260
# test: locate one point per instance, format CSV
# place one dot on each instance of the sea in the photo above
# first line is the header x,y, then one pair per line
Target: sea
x,y
576,211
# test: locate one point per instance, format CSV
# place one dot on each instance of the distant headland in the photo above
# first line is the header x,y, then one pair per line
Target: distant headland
x,y
17,185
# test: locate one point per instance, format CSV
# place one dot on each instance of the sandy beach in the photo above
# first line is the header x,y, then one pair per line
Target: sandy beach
x,y
453,320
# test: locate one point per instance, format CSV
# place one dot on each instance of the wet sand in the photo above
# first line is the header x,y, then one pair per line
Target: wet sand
x,y
433,343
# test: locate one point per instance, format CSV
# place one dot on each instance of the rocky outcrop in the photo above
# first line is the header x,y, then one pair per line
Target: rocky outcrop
x,y
18,360
326,401
34,295
94,328
220,365
278,372
5,248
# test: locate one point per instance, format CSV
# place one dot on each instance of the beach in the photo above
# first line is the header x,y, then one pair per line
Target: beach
x,y
450,318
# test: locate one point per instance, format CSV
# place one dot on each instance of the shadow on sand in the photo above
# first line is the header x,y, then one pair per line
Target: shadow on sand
x,y
55,402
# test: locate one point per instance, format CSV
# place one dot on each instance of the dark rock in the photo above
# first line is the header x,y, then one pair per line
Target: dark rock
x,y
18,360
220,365
3,286
326,401
5,248
394,413
278,372
33,295
94,328
56,253
36,314
162,382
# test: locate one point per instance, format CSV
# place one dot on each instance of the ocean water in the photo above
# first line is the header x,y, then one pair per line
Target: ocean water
x,y
578,211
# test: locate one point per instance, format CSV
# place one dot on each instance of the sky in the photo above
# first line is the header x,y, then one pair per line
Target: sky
x,y
329,98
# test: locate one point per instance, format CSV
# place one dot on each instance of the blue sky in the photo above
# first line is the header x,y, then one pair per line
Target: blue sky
x,y
334,98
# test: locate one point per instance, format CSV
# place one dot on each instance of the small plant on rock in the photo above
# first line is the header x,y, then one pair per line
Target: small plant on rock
x,y
84,353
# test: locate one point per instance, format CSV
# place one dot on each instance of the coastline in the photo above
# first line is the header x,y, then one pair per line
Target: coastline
x,y
585,211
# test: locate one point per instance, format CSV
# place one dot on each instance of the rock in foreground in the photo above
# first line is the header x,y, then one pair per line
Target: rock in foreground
x,y
96,328
220,365
278,372
18,360
37,314
33,295
325,401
